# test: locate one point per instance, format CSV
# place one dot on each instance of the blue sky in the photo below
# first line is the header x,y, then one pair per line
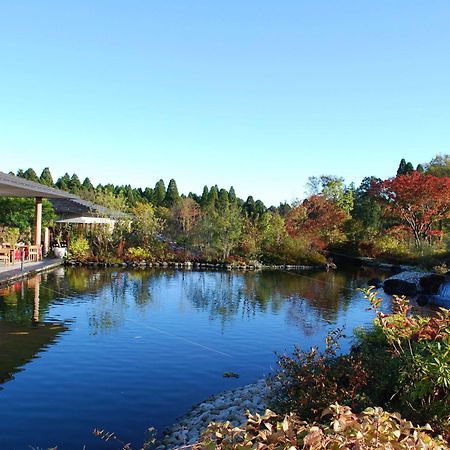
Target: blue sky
x,y
255,94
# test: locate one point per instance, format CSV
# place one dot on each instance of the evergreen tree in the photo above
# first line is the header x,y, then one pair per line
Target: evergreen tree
x,y
30,174
172,196
74,184
232,196
204,198
420,168
401,167
213,197
148,194
87,185
63,182
159,193
223,202
20,173
409,168
249,206
46,177
260,208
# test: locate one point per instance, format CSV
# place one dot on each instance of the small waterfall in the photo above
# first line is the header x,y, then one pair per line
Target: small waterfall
x,y
444,290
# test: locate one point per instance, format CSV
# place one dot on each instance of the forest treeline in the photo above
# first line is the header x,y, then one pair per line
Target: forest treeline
x,y
402,218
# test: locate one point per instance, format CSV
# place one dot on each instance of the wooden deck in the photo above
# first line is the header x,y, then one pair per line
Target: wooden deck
x,y
13,272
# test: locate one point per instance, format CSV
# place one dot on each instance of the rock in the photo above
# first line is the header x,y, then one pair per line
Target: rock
x,y
376,282
397,286
430,284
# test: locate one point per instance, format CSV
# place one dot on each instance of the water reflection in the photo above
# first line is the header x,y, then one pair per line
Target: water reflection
x,y
22,335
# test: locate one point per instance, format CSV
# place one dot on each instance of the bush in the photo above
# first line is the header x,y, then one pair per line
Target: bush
x,y
78,248
372,429
138,254
402,363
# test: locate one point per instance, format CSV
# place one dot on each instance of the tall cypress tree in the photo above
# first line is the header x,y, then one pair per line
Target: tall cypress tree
x,y
30,174
213,197
172,196
232,195
401,167
204,197
148,194
46,177
87,185
63,182
159,193
223,202
409,168
74,184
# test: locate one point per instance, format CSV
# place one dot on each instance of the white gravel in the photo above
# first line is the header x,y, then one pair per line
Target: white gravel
x,y
226,406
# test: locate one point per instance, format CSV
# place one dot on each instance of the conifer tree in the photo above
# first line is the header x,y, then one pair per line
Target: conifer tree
x,y
172,196
63,182
409,168
74,184
401,167
159,193
148,194
232,196
30,174
87,185
213,197
46,177
204,197
223,202
420,168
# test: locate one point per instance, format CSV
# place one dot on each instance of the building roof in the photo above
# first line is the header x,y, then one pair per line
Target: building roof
x,y
82,208
12,186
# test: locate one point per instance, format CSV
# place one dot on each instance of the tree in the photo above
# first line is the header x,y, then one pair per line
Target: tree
x,y
30,174
223,202
185,213
159,193
204,197
420,168
232,195
145,225
87,185
332,188
74,184
319,218
46,177
172,196
63,182
439,166
416,199
213,197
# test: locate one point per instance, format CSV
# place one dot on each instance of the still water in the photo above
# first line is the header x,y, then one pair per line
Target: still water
x,y
125,350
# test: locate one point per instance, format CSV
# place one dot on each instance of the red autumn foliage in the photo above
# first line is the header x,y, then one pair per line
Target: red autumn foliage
x,y
416,199
318,218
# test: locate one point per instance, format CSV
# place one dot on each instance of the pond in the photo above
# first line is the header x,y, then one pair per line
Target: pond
x,y
123,350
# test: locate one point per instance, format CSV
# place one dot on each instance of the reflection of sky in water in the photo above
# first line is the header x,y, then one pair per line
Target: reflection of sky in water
x,y
141,347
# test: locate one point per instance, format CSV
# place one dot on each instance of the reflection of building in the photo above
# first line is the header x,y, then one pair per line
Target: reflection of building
x,y
21,341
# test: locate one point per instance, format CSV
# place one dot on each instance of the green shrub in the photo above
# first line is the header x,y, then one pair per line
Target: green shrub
x,y
138,254
78,248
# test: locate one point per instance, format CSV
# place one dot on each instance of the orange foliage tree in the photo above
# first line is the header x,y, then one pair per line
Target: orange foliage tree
x,y
318,218
418,200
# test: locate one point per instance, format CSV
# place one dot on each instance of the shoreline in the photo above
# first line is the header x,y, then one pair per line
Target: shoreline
x,y
191,265
226,406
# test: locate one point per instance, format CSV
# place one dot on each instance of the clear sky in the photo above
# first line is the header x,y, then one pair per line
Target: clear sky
x,y
255,94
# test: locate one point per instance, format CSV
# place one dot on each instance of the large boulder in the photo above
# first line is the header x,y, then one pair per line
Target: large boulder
x,y
398,286
430,284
